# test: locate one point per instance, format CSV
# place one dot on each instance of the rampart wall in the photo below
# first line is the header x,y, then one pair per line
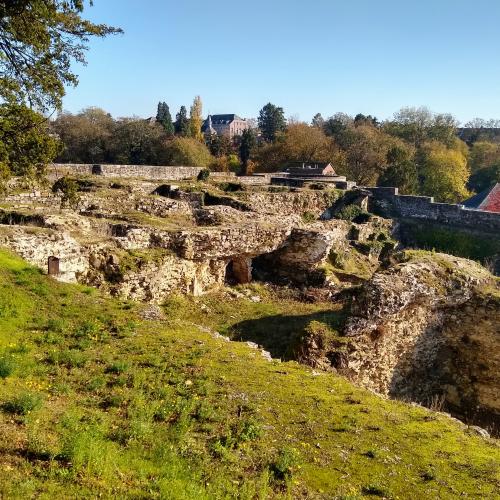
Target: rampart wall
x,y
147,172
388,202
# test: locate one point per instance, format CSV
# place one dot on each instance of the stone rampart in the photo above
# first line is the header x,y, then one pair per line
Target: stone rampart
x,y
147,172
388,202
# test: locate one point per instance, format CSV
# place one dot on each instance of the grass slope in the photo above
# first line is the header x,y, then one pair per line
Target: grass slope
x,y
97,402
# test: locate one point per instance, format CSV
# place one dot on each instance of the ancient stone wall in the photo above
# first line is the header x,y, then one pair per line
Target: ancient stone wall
x,y
389,203
131,171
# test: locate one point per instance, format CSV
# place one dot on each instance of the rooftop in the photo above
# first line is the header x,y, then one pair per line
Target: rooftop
x,y
488,200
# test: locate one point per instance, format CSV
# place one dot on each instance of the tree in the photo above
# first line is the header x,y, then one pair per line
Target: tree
x,y
337,124
419,125
195,120
483,154
247,144
219,145
401,171
138,142
25,144
444,173
188,151
318,121
39,39
361,119
271,121
164,118
366,149
182,122
86,136
299,143
484,178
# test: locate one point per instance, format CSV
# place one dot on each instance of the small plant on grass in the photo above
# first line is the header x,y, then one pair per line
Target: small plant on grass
x,y
23,404
283,467
117,368
6,365
308,217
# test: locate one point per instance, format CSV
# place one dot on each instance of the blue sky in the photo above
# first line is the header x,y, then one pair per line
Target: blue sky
x,y
370,56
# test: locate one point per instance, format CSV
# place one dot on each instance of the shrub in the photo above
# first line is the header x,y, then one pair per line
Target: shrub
x,y
68,189
23,404
6,366
282,467
188,151
203,175
117,367
353,213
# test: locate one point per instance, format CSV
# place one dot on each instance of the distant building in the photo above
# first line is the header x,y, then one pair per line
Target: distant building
x,y
310,169
488,200
230,125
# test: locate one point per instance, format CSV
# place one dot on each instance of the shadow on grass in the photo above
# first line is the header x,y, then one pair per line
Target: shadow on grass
x,y
279,333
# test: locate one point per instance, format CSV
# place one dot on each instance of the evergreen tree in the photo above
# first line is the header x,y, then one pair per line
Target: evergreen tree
x,y
195,120
182,122
164,117
248,142
271,121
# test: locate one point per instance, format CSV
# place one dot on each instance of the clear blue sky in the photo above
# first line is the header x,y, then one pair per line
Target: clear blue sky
x,y
370,56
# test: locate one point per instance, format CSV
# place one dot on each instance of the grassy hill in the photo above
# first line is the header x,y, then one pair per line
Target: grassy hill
x,y
96,401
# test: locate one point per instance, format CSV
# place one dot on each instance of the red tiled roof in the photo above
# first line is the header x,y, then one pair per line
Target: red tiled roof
x,y
492,200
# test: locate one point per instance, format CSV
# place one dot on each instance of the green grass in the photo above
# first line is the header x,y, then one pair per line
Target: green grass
x,y
165,410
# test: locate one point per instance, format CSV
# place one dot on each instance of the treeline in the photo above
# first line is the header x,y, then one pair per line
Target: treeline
x,y
417,151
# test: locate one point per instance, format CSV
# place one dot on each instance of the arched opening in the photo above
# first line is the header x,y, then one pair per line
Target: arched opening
x,y
238,271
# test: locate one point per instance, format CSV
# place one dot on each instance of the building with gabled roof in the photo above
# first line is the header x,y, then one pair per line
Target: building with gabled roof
x,y
229,124
488,200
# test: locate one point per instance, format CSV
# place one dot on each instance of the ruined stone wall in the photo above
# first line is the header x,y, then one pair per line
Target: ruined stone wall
x,y
127,171
388,203
288,203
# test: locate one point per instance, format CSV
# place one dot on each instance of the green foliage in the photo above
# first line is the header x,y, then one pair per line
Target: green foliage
x,y
68,189
284,465
39,40
23,404
484,178
444,172
203,175
247,144
182,122
189,152
349,212
25,145
7,365
271,121
164,118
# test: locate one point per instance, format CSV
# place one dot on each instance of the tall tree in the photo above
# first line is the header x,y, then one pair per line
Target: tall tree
x,y
164,118
247,143
25,144
182,122
39,39
318,121
271,121
195,119
444,172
